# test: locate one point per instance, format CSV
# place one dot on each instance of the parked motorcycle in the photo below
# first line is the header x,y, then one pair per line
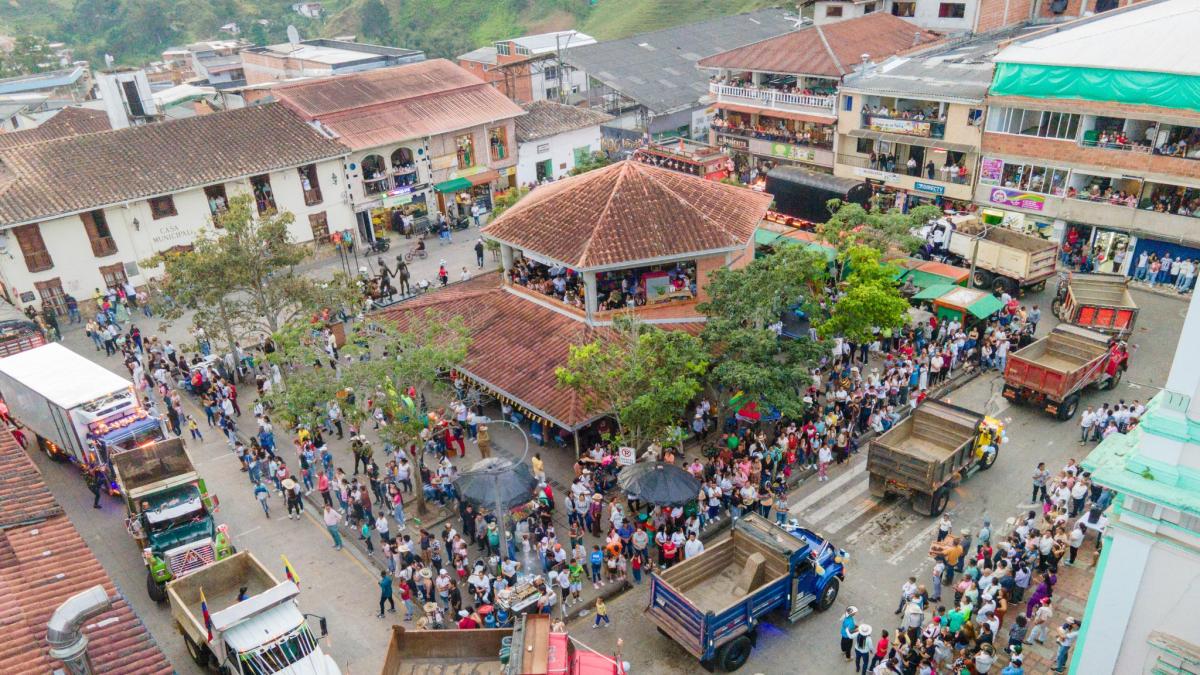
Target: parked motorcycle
x,y
380,245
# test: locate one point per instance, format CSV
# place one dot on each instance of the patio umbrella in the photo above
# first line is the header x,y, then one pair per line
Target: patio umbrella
x,y
496,481
659,483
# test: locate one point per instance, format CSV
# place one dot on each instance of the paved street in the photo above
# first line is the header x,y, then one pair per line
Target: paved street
x,y
887,541
338,585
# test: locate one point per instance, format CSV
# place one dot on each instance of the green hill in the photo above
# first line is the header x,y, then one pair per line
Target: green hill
x,y
135,31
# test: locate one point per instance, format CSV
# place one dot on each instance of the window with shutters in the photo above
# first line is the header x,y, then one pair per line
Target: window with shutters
x,y
162,207
51,292
114,275
29,237
310,184
319,223
98,233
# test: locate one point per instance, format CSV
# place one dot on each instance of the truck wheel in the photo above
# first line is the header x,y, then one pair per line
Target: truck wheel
x,y
198,653
828,596
1066,409
878,486
1056,307
1002,285
1039,286
1114,380
938,502
989,460
735,654
982,279
156,591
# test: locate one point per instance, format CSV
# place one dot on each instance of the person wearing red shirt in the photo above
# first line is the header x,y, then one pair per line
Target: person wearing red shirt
x,y
466,622
669,551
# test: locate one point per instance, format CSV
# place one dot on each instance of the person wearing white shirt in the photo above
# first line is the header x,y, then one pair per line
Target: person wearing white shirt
x,y
693,547
1086,420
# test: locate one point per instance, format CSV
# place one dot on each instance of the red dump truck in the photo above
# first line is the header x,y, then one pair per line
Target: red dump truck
x,y
1052,372
1101,302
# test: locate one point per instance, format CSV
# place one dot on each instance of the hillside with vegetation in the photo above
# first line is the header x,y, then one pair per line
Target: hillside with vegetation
x,y
137,31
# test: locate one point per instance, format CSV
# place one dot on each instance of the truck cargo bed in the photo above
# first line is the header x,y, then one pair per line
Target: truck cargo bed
x,y
923,450
710,579
1066,360
221,582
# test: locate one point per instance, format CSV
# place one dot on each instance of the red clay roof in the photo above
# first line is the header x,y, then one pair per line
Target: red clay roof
x,y
44,561
389,105
516,344
627,212
70,121
829,50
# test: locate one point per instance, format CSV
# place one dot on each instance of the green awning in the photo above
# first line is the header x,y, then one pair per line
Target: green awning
x,y
765,237
830,254
1166,90
923,279
934,292
985,306
453,185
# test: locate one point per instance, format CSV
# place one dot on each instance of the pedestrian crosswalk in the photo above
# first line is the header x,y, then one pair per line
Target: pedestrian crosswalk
x,y
844,510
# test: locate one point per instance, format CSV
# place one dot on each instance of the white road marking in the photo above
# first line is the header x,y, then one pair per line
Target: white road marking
x,y
831,486
918,540
831,507
851,514
239,535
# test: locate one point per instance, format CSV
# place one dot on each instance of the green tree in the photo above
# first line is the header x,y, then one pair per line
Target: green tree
x,y
376,21
748,355
869,300
240,279
381,361
852,225
507,200
644,375
593,161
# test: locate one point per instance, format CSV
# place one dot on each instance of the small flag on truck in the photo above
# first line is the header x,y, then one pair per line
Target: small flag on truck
x,y
291,573
207,617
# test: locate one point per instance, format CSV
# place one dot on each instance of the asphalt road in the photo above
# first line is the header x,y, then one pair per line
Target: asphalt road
x,y
887,541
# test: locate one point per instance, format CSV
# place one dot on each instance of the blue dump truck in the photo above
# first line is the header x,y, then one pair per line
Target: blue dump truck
x,y
712,604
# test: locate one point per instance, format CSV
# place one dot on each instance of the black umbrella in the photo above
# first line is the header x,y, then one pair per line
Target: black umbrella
x,y
659,483
496,480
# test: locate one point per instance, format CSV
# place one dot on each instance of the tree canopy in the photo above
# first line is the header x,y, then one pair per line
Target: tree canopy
x,y
645,375
868,299
852,225
240,278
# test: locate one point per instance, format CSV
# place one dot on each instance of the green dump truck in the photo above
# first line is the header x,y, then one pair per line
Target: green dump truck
x,y
170,513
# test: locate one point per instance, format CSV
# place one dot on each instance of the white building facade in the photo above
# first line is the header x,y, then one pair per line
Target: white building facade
x,y
140,205
552,139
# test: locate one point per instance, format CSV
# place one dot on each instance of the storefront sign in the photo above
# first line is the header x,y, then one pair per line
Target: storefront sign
x,y
930,188
892,126
875,174
796,152
1017,198
469,171
991,170
398,200
733,142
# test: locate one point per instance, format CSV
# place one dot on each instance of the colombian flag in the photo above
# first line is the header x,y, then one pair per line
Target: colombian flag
x,y
207,617
291,573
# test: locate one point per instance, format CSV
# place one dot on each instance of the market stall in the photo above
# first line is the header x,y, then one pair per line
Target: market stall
x,y
956,303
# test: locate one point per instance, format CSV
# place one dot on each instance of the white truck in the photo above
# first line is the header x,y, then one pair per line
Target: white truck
x,y
255,627
78,410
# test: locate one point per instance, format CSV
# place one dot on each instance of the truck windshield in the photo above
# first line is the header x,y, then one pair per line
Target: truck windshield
x,y
172,508
280,654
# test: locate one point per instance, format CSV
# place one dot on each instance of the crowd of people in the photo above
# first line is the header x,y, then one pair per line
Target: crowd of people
x,y
779,131
968,616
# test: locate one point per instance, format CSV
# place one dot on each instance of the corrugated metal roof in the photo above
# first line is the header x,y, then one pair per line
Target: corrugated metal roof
x,y
829,50
547,118
634,65
627,212
44,561
1157,37
325,96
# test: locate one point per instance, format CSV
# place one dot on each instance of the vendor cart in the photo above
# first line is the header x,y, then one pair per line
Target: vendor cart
x,y
956,303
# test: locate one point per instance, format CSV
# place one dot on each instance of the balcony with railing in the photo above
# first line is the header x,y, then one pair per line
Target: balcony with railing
x,y
950,180
773,99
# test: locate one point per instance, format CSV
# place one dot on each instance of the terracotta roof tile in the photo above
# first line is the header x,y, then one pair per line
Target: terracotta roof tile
x,y
70,121
829,50
547,118
516,344
628,212
328,95
44,561
84,172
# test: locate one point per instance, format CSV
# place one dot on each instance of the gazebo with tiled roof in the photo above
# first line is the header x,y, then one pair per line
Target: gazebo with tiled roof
x,y
628,216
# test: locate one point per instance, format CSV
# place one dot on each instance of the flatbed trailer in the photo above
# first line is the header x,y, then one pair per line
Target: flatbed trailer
x,y
930,451
1052,372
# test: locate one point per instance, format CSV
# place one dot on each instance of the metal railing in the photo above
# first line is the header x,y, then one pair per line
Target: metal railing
x,y
771,98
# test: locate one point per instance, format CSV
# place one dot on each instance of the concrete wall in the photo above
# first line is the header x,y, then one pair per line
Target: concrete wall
x,y
559,149
79,270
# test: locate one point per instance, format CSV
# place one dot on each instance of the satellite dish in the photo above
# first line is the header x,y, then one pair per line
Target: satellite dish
x,y
293,35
